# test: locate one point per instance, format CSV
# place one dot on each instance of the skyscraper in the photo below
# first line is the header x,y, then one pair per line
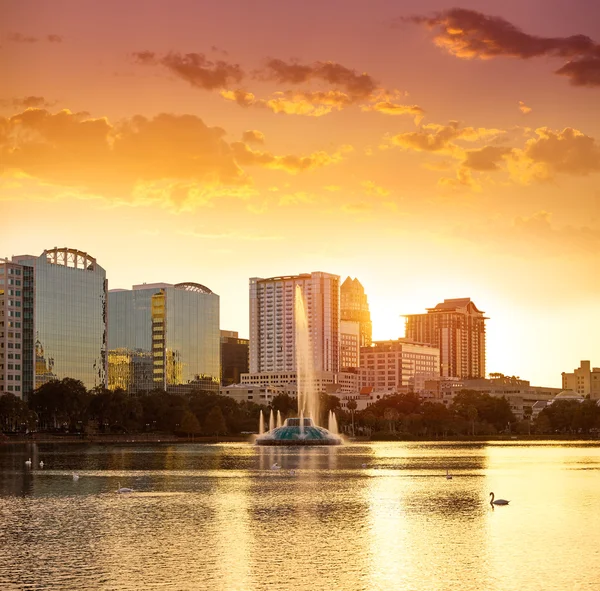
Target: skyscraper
x,y
16,329
273,322
163,336
64,317
234,357
355,307
457,328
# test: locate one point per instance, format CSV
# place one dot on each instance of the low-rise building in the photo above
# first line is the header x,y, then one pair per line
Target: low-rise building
x,y
244,393
584,380
286,381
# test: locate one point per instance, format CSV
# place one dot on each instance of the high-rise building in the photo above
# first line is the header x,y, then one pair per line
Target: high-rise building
x,y
64,317
16,329
584,380
234,357
163,336
273,322
355,307
457,328
349,345
398,365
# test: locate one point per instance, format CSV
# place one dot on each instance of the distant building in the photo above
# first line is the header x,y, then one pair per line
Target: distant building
x,y
584,380
349,344
354,307
245,393
17,296
457,328
286,382
66,318
273,322
234,357
398,365
164,336
519,393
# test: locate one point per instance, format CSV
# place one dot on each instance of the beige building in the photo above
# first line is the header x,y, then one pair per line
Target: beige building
x,y
584,380
397,366
245,393
286,382
457,328
355,308
349,344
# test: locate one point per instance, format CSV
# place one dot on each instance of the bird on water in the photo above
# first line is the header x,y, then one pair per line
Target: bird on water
x,y
497,501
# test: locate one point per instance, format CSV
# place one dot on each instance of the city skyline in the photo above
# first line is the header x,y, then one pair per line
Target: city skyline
x,y
431,150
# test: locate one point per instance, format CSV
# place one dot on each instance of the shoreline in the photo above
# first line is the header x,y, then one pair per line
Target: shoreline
x,y
137,439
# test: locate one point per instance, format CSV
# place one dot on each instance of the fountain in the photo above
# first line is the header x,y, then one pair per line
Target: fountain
x,y
261,423
302,430
271,421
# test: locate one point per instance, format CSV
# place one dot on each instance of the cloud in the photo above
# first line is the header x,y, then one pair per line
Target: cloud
x,y
390,108
357,86
292,164
253,136
463,180
137,157
20,38
524,108
241,97
485,159
470,34
194,68
569,152
25,102
373,190
439,138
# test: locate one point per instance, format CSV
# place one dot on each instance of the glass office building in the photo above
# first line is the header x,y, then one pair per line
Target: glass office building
x,y
64,308
164,336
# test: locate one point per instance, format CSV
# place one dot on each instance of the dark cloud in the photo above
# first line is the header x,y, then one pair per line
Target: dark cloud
x,y
194,68
358,86
253,136
25,102
470,34
486,159
20,38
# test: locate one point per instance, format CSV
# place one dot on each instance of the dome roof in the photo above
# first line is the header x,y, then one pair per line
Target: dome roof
x,y
569,395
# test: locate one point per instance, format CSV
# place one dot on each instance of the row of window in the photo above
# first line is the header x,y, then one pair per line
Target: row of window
x,y
11,271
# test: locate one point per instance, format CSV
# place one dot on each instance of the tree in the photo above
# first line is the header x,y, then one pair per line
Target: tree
x,y
190,424
351,406
61,403
214,423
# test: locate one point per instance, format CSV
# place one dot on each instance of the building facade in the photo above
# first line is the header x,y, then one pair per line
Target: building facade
x,y
16,329
256,394
584,380
355,307
349,344
286,382
164,336
457,328
273,322
398,366
234,357
65,315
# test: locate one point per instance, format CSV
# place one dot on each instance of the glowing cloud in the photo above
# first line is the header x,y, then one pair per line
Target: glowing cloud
x,y
470,34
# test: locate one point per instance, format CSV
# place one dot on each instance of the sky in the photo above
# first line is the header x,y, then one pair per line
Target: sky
x,y
433,150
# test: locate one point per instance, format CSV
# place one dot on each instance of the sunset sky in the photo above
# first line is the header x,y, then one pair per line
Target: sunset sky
x,y
432,150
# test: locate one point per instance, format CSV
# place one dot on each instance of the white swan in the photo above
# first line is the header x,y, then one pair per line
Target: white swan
x,y
124,489
75,477
42,464
28,463
275,466
498,501
448,476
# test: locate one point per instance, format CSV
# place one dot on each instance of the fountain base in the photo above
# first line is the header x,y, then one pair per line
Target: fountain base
x,y
298,432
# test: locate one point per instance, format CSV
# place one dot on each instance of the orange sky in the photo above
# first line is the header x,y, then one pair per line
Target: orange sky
x,y
431,150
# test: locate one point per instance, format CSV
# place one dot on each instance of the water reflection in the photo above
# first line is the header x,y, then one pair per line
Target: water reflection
x,y
373,517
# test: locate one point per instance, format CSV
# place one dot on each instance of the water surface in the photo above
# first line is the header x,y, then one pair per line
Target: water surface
x,y
379,516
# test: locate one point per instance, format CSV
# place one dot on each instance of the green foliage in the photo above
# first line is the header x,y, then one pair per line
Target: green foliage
x,y
570,416
214,423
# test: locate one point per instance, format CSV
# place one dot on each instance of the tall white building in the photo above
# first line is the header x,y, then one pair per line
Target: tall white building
x,y
273,322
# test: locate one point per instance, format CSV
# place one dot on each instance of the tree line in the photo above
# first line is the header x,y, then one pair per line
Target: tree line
x,y
66,406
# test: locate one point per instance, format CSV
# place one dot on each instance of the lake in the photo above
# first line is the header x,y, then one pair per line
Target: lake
x,y
378,516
